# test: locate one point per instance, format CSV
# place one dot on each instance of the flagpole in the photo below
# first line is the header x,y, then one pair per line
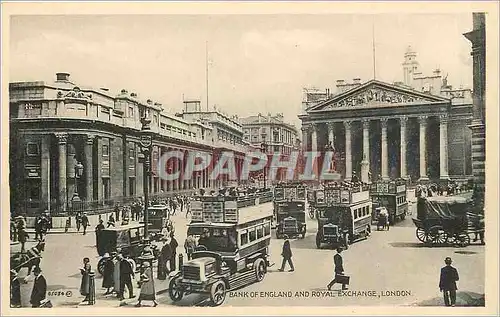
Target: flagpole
x,y
373,47
206,64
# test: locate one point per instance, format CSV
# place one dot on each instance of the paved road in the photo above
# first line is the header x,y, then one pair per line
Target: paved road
x,y
388,261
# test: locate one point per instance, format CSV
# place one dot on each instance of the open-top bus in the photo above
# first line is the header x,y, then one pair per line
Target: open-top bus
x,y
289,209
391,195
344,216
232,248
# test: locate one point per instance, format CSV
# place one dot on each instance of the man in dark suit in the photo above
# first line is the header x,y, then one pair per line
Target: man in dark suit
x,y
126,273
39,288
448,283
339,269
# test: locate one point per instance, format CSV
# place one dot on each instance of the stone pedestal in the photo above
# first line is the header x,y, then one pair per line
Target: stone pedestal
x,y
365,168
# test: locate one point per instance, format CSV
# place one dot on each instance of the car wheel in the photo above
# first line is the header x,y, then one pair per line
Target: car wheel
x,y
260,269
218,293
174,290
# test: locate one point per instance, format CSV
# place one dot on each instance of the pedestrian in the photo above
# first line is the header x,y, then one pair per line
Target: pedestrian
x,y
111,221
78,220
85,223
15,290
23,237
173,245
108,274
68,225
339,270
39,291
147,286
448,283
126,273
98,232
479,228
190,246
117,212
116,272
286,253
13,231
38,228
85,283
163,259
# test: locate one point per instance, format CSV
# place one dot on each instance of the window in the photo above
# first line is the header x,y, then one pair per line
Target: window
x,y
131,153
260,232
32,149
267,229
244,238
252,235
131,112
105,150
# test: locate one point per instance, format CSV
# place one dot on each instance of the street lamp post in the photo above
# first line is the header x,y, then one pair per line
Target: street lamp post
x,y
264,150
146,142
78,173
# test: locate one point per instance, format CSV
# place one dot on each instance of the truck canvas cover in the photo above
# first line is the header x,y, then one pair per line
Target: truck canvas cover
x,y
453,207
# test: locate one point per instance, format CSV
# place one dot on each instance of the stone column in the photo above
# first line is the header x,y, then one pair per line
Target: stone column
x,y
178,165
423,150
365,163
402,123
62,139
443,147
89,181
331,132
314,138
384,161
348,154
45,170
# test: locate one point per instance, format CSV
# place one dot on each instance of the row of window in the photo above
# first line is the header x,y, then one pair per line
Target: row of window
x,y
361,212
250,235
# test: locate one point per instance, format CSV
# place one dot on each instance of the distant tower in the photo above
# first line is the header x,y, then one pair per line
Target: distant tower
x,y
410,66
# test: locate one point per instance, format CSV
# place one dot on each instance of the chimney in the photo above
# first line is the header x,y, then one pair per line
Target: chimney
x,y
327,93
340,82
124,91
133,95
149,102
104,89
437,72
62,76
357,80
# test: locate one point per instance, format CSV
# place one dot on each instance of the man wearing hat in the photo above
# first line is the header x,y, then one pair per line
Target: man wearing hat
x,y
39,288
339,269
448,283
85,223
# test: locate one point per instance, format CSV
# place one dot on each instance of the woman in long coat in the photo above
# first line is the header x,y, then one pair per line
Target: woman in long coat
x,y
147,286
107,276
85,284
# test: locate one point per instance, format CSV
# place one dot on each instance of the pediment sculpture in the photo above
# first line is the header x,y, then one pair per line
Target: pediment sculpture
x,y
76,93
376,95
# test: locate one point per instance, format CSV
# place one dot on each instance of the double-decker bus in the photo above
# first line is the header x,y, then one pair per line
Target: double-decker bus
x,y
232,248
344,215
391,195
290,209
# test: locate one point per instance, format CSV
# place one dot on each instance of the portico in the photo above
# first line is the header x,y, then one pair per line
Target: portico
x,y
394,131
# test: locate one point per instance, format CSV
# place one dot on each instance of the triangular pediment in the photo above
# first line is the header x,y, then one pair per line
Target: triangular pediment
x,y
376,93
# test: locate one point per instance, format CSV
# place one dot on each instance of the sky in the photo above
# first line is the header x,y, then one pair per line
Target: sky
x,y
257,63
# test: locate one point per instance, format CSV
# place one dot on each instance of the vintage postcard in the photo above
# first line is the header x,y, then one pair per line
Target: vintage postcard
x,y
250,158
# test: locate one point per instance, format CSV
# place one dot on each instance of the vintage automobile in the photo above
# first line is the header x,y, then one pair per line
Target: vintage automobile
x,y
232,250
129,239
289,210
345,216
158,217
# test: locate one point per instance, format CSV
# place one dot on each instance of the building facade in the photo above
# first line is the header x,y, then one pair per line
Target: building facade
x,y
274,134
414,129
478,39
70,144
